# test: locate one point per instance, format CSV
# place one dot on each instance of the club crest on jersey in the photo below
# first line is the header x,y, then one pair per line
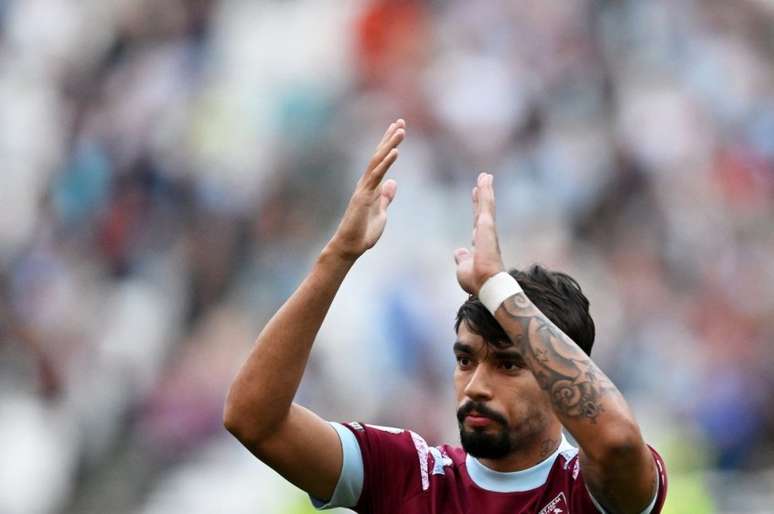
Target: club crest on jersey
x,y
557,506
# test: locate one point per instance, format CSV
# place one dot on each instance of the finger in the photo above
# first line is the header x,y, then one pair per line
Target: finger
x,y
385,159
395,125
394,140
486,198
477,188
475,205
376,175
386,135
389,189
486,228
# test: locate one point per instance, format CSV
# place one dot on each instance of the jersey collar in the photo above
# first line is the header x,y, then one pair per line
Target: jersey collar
x,y
514,481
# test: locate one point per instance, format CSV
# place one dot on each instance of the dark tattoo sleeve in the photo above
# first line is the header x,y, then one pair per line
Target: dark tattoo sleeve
x,y
575,384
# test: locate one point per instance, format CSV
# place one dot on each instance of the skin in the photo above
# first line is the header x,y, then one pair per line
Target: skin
x,y
533,399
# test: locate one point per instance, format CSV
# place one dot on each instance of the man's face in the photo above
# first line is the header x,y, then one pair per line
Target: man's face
x,y
500,406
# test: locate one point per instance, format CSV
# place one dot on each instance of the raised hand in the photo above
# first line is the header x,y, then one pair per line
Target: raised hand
x,y
366,214
475,266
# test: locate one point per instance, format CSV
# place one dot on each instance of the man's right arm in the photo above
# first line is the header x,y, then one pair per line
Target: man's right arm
x,y
259,409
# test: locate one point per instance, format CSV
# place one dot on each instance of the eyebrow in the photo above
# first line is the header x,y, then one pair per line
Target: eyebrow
x,y
460,347
497,355
504,354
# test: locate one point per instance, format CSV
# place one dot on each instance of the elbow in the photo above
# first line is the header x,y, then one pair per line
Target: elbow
x,y
234,421
231,419
619,445
241,422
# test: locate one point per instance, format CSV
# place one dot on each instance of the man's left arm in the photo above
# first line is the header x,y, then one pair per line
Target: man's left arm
x,y
618,467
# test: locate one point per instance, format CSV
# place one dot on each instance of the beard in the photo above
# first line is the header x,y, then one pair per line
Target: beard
x,y
483,445
486,443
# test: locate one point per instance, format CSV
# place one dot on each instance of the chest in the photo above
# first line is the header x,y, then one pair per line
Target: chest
x,y
453,495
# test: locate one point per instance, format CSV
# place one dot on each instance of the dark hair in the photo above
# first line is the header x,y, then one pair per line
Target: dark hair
x,y
556,294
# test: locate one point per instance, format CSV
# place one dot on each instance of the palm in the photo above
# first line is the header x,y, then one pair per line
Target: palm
x,y
377,219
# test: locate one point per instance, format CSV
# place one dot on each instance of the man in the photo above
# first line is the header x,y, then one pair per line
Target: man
x,y
519,379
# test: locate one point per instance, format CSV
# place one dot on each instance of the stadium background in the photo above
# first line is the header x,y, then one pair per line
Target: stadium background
x,y
171,168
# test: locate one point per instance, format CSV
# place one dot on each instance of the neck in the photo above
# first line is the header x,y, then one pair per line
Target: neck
x,y
526,457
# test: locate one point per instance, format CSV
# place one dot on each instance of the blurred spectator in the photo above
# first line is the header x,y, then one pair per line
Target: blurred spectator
x,y
171,168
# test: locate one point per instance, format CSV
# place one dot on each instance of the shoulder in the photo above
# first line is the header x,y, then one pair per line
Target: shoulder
x,y
404,454
398,453
397,464
372,436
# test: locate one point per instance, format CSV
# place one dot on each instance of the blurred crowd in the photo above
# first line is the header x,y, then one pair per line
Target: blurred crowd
x,y
171,169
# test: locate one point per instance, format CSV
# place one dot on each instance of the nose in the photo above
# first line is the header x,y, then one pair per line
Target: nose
x,y
478,387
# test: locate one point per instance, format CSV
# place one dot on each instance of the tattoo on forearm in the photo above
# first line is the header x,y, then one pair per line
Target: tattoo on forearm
x,y
575,384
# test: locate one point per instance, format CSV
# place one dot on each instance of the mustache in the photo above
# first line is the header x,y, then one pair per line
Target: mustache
x,y
482,410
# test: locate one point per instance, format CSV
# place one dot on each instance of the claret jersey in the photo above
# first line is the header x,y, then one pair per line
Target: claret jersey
x,y
390,471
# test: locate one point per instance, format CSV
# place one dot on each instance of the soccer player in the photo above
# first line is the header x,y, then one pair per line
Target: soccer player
x,y
523,373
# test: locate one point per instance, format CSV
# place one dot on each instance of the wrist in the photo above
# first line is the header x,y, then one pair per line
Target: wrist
x,y
484,278
496,289
337,253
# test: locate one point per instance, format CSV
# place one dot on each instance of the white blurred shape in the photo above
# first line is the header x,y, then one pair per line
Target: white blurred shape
x,y
477,98
38,457
663,127
30,143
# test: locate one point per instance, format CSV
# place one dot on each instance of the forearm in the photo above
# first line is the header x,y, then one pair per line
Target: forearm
x,y
583,397
260,397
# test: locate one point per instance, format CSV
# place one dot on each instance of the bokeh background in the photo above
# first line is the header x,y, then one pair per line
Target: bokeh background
x,y
170,169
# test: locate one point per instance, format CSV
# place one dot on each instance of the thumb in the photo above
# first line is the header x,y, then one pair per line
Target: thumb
x,y
461,254
389,189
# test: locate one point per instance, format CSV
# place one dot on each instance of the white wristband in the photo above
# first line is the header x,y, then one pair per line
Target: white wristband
x,y
497,289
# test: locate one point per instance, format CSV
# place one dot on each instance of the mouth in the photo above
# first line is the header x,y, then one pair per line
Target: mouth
x,y
476,420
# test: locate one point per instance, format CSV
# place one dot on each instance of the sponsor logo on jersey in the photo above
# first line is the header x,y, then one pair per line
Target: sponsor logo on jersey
x,y
557,506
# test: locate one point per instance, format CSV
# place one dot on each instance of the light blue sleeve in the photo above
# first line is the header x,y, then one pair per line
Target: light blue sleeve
x,y
350,484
